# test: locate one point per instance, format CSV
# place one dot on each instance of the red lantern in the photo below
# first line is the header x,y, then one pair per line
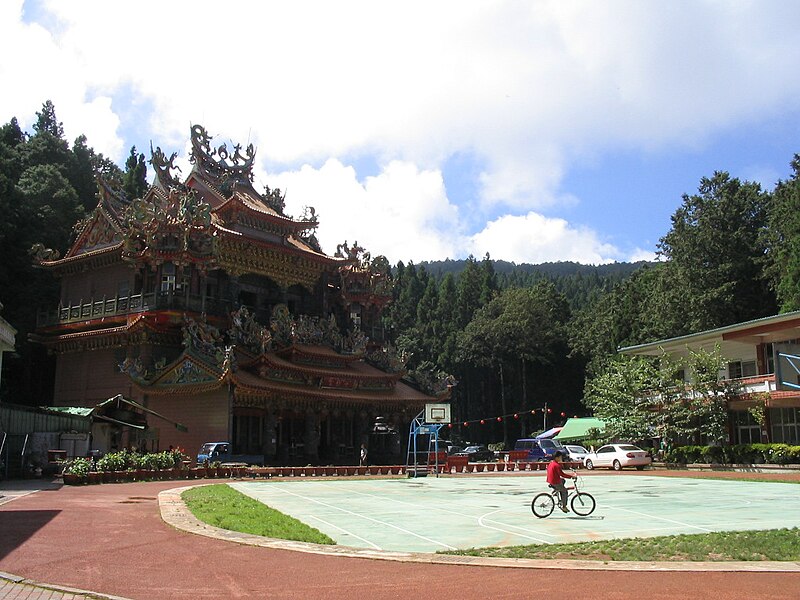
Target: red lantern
x,y
483,422
516,416
449,425
563,414
499,419
549,410
533,412
466,423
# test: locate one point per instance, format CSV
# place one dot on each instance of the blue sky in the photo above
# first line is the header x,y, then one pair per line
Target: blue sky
x,y
534,131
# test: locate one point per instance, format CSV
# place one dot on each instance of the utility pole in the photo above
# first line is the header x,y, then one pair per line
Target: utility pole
x,y
544,412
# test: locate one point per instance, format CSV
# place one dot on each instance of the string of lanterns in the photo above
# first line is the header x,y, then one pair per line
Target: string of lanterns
x,y
499,419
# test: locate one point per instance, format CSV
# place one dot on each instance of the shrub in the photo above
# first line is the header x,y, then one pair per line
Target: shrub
x,y
79,467
713,454
113,461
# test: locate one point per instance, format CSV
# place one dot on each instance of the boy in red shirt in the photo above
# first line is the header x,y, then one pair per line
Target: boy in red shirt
x,y
556,476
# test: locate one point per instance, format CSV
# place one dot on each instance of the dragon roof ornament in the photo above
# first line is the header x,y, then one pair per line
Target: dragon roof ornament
x,y
219,162
163,167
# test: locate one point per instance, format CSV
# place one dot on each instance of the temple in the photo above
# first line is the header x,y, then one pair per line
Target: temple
x,y
219,316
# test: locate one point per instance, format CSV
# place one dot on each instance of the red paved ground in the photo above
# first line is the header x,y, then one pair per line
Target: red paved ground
x,y
111,539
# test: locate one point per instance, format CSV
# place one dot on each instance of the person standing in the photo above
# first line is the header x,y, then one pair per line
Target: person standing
x,y
363,456
555,478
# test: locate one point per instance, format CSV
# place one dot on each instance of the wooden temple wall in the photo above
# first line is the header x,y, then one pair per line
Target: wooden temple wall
x,y
205,416
96,284
90,377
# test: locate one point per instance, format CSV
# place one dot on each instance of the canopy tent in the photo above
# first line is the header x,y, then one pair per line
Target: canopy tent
x,y
115,410
578,429
549,434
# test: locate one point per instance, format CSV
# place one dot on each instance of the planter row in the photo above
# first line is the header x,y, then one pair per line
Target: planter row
x,y
255,472
149,475
238,472
466,467
324,471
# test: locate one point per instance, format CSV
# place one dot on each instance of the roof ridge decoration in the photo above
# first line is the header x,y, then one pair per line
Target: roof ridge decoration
x,y
218,163
163,168
201,338
245,330
175,226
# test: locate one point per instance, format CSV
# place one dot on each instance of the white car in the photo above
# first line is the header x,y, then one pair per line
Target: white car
x,y
617,456
576,453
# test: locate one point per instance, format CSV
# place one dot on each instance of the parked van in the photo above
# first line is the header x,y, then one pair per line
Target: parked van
x,y
539,449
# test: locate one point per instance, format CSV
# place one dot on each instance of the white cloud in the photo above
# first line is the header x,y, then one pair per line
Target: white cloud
x,y
534,239
527,88
402,213
640,254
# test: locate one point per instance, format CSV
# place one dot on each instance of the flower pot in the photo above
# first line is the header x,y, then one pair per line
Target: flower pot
x,y
94,477
479,467
501,466
490,467
395,469
374,470
362,470
72,479
470,467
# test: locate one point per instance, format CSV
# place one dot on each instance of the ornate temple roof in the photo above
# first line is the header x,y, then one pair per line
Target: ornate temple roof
x,y
210,220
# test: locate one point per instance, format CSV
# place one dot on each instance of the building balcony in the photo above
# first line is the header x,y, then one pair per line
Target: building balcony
x,y
128,305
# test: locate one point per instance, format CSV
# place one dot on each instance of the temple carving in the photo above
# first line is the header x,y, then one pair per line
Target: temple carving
x,y
206,304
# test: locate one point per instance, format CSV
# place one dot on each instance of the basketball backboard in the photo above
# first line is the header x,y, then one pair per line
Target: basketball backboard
x,y
437,413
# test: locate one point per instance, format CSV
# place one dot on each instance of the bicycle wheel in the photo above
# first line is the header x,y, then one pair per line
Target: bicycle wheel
x,y
583,504
543,505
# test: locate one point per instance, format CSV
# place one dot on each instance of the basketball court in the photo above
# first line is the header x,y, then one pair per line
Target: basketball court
x,y
465,511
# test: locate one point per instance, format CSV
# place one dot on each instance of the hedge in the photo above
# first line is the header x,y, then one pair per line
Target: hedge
x,y
775,454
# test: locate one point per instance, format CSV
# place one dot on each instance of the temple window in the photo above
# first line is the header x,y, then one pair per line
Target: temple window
x,y
355,314
168,277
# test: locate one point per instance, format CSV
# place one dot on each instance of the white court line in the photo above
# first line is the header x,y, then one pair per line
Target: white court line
x,y
529,537
314,500
344,531
479,518
641,514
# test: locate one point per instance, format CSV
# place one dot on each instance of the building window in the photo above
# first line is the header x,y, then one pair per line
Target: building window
x,y
747,431
167,277
785,425
742,368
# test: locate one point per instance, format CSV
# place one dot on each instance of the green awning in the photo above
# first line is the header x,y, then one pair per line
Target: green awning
x,y
578,429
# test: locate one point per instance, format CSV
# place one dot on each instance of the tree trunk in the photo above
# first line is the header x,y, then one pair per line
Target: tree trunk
x,y
524,397
503,404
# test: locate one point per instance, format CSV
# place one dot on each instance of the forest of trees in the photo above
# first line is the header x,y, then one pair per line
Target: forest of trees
x,y
515,337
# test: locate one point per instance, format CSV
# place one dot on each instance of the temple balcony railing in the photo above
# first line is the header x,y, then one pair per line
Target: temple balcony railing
x,y
128,305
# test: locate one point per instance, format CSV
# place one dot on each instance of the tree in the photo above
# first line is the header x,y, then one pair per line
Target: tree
x,y
518,327
783,239
134,182
716,245
644,397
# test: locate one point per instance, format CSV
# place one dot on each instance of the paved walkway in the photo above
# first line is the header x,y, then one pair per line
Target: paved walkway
x,y
112,539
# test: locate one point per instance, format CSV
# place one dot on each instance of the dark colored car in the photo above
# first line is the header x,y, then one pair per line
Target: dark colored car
x,y
477,454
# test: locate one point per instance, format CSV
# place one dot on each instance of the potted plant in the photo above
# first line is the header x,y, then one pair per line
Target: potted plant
x,y
77,471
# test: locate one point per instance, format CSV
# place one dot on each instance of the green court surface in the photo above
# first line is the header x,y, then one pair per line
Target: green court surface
x,y
430,514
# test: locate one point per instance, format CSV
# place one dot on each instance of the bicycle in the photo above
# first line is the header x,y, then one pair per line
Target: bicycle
x,y
582,503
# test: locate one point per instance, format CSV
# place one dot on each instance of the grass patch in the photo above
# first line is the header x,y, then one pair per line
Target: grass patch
x,y
222,506
772,544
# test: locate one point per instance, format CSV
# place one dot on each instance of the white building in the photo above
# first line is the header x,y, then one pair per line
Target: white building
x,y
751,349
